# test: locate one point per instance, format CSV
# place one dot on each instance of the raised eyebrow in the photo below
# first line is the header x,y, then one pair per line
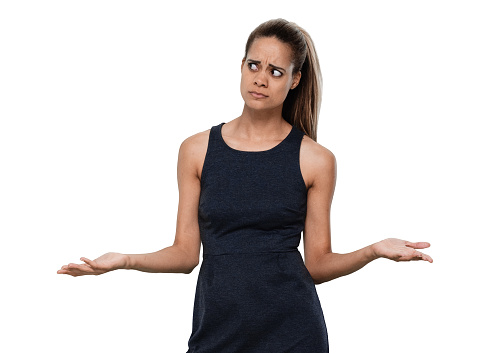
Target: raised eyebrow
x,y
258,62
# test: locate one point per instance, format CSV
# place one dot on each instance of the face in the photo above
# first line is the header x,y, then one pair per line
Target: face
x,y
268,71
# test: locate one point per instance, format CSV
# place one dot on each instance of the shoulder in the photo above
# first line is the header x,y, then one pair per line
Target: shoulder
x,y
315,152
193,149
196,142
317,162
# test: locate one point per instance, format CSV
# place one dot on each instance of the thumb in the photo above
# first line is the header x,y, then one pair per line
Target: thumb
x,y
89,262
418,245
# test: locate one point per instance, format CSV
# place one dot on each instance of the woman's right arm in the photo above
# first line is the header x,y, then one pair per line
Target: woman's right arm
x,y
183,255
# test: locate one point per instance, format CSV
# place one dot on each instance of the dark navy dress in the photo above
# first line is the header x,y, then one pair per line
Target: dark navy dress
x,y
254,293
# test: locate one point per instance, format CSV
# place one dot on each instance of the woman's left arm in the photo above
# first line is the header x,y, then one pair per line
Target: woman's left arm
x,y
319,165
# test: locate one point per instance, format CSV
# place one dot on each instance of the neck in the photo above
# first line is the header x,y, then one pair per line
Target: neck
x,y
262,114
262,122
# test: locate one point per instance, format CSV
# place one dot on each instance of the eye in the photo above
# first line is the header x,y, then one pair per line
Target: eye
x,y
250,66
279,73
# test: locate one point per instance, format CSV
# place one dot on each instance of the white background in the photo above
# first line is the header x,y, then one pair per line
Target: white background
x,y
96,97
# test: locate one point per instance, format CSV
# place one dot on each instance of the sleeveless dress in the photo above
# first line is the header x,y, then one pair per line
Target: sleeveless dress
x,y
254,293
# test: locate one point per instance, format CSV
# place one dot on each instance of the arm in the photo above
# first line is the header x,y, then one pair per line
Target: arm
x,y
323,264
183,255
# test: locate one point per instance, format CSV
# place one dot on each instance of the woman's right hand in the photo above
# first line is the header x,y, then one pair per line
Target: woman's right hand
x,y
105,263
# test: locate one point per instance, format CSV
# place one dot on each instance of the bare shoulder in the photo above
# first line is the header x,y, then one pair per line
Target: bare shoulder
x,y
193,151
316,161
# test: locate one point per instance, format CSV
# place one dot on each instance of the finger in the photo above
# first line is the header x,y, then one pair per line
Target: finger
x,y
88,262
76,271
418,245
64,272
68,272
428,258
81,267
414,257
422,256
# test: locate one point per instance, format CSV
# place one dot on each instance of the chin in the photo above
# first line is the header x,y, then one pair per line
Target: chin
x,y
260,106
257,104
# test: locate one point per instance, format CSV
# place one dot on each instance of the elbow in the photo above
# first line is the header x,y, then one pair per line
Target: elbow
x,y
191,267
188,259
314,276
318,275
318,280
319,268
323,277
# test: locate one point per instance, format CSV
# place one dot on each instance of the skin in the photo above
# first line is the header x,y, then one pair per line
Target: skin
x,y
259,127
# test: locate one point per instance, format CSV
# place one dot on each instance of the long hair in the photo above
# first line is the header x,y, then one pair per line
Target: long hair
x,y
302,105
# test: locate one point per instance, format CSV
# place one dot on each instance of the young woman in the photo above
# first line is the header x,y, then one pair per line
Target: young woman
x,y
247,189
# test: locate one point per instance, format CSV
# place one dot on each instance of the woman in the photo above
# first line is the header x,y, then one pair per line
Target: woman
x,y
247,189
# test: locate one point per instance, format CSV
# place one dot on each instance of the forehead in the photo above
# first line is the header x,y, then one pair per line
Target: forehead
x,y
271,50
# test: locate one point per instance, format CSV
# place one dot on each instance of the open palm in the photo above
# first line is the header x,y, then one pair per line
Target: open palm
x,y
401,250
105,263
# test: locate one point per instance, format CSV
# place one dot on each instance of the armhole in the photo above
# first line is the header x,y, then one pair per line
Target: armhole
x,y
206,158
298,160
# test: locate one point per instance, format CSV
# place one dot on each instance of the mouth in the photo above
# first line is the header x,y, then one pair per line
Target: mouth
x,y
257,95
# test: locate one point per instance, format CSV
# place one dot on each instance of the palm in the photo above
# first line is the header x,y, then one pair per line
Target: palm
x,y
105,263
401,250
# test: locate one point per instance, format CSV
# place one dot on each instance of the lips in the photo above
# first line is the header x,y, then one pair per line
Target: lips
x,y
257,94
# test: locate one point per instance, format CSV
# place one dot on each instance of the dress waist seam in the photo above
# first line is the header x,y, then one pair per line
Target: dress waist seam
x,y
251,252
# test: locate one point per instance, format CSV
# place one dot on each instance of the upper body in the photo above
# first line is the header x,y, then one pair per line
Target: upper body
x,y
268,71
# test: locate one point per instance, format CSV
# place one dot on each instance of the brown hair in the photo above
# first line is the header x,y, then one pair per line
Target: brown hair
x,y
302,105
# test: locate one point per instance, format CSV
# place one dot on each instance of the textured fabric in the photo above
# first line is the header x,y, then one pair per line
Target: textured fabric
x,y
254,293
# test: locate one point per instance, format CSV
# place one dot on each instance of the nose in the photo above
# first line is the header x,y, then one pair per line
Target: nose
x,y
260,79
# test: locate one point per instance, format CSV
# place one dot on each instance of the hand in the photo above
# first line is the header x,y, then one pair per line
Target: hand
x,y
105,263
400,250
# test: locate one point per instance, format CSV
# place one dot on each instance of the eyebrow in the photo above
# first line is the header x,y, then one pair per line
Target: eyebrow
x,y
258,62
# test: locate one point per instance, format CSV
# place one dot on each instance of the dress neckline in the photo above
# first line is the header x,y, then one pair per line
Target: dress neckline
x,y
256,152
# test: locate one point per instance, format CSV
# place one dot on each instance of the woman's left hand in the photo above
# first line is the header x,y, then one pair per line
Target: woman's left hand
x,y
401,250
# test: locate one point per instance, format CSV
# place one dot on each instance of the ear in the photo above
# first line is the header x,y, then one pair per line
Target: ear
x,y
243,62
296,79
